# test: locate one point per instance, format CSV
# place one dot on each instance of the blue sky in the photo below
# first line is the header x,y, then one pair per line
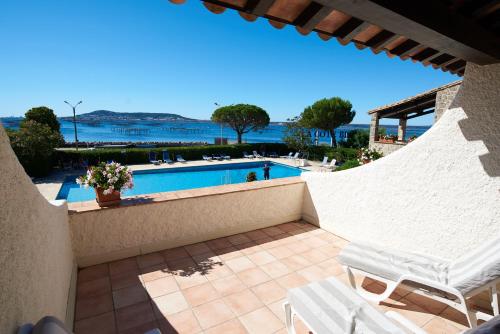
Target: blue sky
x,y
153,56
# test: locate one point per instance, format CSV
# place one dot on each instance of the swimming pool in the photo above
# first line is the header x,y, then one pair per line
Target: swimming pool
x,y
180,178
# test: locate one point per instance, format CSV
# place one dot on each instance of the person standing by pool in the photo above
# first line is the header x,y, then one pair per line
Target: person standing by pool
x,y
266,171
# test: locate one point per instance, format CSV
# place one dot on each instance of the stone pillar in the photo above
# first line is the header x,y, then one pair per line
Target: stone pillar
x,y
374,128
402,129
443,100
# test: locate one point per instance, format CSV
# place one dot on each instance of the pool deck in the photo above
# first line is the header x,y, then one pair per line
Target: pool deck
x,y
49,186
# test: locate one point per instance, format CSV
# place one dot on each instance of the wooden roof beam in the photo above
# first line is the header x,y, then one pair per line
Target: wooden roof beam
x,y
258,7
312,15
428,22
350,29
381,40
418,114
405,48
487,9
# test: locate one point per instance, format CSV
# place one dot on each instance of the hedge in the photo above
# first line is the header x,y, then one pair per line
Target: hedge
x,y
141,155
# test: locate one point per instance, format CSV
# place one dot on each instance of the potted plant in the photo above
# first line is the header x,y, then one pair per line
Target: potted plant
x,y
251,176
366,155
388,139
108,180
412,138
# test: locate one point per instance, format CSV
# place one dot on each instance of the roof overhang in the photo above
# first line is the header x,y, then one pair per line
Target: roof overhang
x,y
443,33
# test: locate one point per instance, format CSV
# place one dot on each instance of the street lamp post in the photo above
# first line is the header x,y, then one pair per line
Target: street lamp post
x,y
74,120
220,143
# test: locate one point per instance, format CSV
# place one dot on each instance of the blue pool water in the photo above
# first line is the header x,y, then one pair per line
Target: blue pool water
x,y
172,179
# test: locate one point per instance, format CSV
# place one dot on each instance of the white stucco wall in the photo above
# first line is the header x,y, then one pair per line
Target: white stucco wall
x,y
110,234
36,259
437,195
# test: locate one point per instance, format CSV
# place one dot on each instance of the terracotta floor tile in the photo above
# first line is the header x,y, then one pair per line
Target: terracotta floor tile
x,y
430,305
213,313
254,276
175,254
232,326
93,305
129,296
180,323
300,327
228,253
243,302
299,247
196,249
292,280
261,258
143,328
166,305
275,269
261,321
123,266
200,294
155,272
409,310
332,267
218,243
217,271
125,280
280,252
269,292
266,243
101,324
239,264
315,256
148,260
134,315
296,262
183,265
288,227
331,250
228,285
455,318
249,248
328,237
313,273
277,308
438,325
162,286
93,272
238,239
207,258
256,235
191,279
272,231
94,287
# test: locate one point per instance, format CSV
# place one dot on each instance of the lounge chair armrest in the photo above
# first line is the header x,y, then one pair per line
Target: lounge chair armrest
x,y
405,322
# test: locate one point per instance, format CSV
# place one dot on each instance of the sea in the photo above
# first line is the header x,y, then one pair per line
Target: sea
x,y
144,131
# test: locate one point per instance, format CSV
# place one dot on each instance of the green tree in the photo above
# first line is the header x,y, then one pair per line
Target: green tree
x,y
43,115
34,146
242,118
297,136
358,138
327,115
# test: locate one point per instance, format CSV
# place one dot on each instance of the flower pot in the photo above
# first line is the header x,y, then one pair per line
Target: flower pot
x,y
107,200
365,161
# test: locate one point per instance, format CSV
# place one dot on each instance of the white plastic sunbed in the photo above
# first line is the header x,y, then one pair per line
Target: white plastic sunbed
x,y
247,156
331,165
330,307
287,156
257,155
295,156
324,163
179,158
451,283
206,157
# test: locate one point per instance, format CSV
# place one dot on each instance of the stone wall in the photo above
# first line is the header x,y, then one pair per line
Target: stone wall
x,y
444,98
385,148
37,271
437,196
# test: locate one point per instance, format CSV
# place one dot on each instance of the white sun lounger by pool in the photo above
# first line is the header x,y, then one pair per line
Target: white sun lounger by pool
x,y
287,156
331,165
206,157
179,158
247,156
451,283
257,155
295,156
324,163
330,307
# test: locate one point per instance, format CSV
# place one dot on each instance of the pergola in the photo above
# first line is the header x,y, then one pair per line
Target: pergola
x,y
411,107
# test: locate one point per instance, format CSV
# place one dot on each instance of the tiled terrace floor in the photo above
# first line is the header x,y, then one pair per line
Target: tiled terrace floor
x,y
229,285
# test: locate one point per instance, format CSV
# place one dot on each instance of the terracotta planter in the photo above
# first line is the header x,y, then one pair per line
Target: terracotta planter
x,y
387,141
365,161
107,200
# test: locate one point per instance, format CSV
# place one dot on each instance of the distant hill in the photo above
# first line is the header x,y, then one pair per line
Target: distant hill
x,y
105,115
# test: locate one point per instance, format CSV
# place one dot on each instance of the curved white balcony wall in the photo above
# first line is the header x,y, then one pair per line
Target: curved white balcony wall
x,y
438,195
36,259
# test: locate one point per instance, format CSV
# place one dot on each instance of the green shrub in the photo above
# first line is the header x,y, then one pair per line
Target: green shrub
x,y
34,146
340,154
348,164
357,138
141,155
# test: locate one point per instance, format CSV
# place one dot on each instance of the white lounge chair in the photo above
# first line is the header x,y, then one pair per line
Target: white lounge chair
x,y
295,156
287,156
206,157
330,307
166,157
451,283
257,155
331,165
247,156
152,158
179,158
324,163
